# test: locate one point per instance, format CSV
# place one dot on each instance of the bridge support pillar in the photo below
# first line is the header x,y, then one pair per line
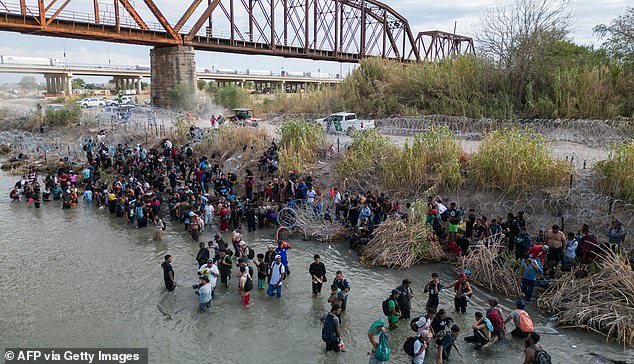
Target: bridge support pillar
x,y
58,83
170,67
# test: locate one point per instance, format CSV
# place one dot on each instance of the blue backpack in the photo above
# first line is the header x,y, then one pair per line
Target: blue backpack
x,y
328,333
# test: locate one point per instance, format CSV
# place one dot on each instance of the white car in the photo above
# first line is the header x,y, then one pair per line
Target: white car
x,y
345,122
91,102
125,100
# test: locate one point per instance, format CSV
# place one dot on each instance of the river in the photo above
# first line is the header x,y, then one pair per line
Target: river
x,y
81,278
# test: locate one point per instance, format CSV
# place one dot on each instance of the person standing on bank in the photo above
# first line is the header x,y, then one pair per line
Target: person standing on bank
x,y
168,273
404,300
317,272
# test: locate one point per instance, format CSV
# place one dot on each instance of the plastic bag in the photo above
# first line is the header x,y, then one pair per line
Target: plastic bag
x,y
383,349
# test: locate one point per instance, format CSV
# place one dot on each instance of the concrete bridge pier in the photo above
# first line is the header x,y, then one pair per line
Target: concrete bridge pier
x,y
122,83
170,67
58,83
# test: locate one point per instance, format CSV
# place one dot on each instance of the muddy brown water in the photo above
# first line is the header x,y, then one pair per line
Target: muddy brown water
x,y
81,278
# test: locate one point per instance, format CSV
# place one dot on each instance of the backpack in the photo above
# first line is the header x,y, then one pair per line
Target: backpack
x,y
440,336
542,357
488,324
248,285
328,333
414,326
526,324
408,346
251,253
386,307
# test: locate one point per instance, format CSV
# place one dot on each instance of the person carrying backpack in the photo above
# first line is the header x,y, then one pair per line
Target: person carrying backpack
x,y
331,332
533,354
246,285
391,309
521,319
482,332
416,347
494,314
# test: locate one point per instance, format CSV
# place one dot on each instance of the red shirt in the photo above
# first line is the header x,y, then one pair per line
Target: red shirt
x,y
536,252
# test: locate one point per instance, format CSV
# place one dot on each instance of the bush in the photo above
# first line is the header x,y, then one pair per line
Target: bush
x,y
517,161
618,171
232,140
231,97
433,157
64,116
301,143
183,97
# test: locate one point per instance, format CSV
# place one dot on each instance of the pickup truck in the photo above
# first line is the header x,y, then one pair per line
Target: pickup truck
x,y
125,100
345,122
91,102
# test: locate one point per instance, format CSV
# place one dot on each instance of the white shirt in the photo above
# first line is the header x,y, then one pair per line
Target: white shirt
x,y
441,208
337,197
212,274
276,273
421,357
209,209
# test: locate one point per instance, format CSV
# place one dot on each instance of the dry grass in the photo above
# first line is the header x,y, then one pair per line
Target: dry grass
x,y
397,244
300,144
232,140
517,161
618,171
602,302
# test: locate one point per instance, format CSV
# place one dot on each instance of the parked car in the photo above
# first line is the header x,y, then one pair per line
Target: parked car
x,y
91,102
125,100
345,122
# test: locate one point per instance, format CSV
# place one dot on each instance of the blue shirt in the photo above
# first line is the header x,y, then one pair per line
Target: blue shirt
x,y
282,253
88,195
447,344
529,271
341,284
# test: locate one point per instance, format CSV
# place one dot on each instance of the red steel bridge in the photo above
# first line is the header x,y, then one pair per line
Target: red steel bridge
x,y
332,30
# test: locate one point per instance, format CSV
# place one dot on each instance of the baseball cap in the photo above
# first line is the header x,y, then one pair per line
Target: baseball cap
x,y
278,257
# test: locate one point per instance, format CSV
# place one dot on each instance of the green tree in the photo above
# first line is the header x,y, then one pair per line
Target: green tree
x,y
202,85
619,36
231,97
28,83
77,83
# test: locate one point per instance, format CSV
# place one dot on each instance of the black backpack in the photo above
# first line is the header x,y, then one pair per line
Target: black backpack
x,y
251,253
413,325
328,332
408,346
248,285
386,307
542,357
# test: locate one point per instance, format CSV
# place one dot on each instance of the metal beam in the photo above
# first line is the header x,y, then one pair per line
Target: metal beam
x,y
179,24
50,5
96,6
201,20
23,7
117,19
164,23
42,12
57,12
134,14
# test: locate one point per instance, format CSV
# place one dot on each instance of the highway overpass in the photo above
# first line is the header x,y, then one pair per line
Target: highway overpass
x,y
58,78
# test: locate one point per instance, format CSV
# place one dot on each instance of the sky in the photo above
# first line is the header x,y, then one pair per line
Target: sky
x,y
421,14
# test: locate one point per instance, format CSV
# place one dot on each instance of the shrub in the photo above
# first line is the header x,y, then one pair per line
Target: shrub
x,y
516,161
64,116
618,171
301,143
232,140
183,97
433,156
231,97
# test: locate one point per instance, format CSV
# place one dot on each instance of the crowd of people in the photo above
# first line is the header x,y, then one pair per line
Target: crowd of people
x,y
143,185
